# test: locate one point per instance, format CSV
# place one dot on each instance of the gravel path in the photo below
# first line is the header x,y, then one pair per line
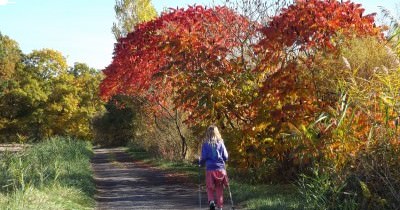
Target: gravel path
x,y
123,183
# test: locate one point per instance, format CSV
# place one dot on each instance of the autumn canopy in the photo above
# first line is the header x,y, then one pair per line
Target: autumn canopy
x,y
181,47
186,50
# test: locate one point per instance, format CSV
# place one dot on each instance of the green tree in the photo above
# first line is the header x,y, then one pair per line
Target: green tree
x,y
116,126
87,80
46,63
73,102
43,67
10,55
22,104
129,13
46,98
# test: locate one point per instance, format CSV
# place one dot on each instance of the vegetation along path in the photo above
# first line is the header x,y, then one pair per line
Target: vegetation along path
x,y
125,183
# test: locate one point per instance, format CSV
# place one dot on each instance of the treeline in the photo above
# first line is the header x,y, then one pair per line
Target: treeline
x,y
41,96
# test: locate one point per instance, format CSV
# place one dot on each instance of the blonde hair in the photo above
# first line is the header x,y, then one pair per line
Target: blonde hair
x,y
212,135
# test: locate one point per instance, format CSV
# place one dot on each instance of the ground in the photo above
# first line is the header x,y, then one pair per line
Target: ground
x,y
12,147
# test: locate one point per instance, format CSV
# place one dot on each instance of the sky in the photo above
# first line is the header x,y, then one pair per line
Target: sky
x,y
81,29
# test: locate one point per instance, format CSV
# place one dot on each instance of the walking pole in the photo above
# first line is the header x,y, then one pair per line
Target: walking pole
x,y
199,183
230,195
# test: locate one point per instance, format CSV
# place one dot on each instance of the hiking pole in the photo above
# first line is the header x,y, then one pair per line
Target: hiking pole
x,y
199,183
230,195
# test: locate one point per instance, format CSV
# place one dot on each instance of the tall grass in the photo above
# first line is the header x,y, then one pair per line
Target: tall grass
x,y
53,174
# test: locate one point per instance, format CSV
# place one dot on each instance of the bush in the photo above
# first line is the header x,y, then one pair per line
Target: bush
x,y
379,170
322,190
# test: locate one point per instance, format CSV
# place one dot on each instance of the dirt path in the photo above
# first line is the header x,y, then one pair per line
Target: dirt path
x,y
123,183
12,147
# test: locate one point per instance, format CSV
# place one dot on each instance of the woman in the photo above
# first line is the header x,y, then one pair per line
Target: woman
x,y
214,156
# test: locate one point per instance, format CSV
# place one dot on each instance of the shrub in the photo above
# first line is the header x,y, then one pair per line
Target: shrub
x,y
322,190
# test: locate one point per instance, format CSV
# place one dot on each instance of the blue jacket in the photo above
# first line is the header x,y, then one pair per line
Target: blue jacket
x,y
214,156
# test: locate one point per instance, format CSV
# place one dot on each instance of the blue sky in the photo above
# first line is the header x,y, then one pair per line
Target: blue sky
x,y
81,29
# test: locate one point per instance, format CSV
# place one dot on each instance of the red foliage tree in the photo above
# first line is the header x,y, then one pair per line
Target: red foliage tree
x,y
184,55
301,31
290,97
309,25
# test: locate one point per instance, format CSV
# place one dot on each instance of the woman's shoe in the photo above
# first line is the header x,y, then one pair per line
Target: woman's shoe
x,y
212,205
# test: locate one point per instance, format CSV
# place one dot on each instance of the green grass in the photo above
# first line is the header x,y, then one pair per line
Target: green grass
x,y
180,167
247,196
271,197
53,174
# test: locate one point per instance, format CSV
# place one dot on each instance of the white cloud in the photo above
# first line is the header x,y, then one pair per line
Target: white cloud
x,y
5,2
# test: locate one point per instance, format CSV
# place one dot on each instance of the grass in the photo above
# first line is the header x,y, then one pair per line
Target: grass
x,y
247,196
189,169
53,174
271,197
